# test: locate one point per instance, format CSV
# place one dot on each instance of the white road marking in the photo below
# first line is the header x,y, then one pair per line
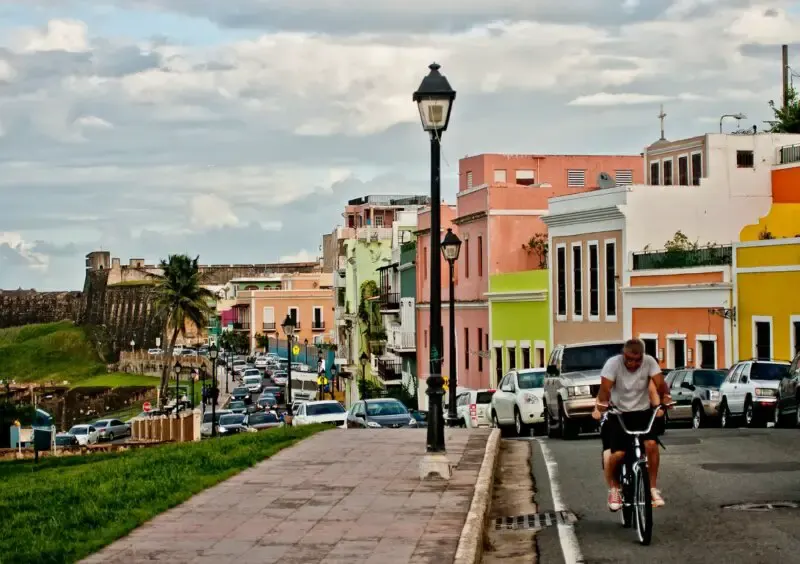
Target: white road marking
x,y
566,532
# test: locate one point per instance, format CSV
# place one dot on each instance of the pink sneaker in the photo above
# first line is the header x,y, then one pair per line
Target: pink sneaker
x,y
614,500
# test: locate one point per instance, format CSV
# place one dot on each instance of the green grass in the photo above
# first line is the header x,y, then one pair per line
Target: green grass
x,y
119,379
48,352
64,509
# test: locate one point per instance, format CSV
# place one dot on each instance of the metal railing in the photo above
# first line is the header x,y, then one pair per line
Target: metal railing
x,y
268,326
374,233
317,325
789,154
703,256
390,300
401,340
241,325
390,370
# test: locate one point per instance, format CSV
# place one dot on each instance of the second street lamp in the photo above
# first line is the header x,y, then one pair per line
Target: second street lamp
x,y
364,360
177,369
288,329
212,354
451,247
435,98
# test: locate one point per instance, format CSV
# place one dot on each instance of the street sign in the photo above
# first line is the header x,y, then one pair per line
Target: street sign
x,y
446,381
296,350
146,406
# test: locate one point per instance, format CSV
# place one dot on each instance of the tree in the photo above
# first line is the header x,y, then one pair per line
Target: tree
x,y
181,299
262,341
539,246
234,341
788,120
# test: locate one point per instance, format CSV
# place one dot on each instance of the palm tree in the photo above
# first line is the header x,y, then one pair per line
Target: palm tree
x,y
180,297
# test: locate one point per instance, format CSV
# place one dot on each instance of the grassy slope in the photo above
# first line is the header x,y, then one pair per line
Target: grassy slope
x,y
63,509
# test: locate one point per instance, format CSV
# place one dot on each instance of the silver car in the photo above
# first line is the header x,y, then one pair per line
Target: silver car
x,y
110,429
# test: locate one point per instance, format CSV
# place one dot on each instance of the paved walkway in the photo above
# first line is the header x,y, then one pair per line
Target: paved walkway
x,y
343,496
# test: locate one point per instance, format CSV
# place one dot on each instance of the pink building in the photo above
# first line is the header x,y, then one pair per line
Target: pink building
x,y
500,201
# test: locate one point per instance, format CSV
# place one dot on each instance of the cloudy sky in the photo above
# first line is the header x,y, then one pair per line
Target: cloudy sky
x,y
237,130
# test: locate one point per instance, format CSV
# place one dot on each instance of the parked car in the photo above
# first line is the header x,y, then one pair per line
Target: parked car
x,y
518,404
472,408
750,392
787,408
155,352
241,393
571,386
86,434
379,413
205,426
695,392
263,420
252,382
328,411
66,440
232,423
110,429
420,416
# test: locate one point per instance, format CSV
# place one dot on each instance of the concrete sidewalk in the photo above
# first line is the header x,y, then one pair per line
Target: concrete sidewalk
x,y
343,496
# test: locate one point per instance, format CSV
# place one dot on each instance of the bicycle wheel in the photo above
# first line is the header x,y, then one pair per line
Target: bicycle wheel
x,y
626,513
643,504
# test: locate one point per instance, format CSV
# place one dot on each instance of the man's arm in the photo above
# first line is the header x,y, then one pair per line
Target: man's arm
x,y
658,379
603,395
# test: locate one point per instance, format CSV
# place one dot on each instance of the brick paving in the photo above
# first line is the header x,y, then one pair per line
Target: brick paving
x,y
342,496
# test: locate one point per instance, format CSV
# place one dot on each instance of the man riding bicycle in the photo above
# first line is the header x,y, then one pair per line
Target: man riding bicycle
x,y
625,379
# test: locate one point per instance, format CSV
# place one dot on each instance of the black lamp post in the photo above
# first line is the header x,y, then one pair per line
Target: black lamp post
x,y
195,378
288,330
364,360
306,344
435,101
213,352
177,370
334,383
451,247
228,369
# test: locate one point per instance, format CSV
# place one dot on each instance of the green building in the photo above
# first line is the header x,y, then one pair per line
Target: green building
x,y
519,321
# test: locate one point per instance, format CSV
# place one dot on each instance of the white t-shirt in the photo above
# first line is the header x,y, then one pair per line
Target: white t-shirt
x,y
630,391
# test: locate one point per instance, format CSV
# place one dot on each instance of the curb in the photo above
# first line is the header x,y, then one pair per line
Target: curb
x,y
470,543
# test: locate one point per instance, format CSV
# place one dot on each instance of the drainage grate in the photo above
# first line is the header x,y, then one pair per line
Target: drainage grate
x,y
535,520
768,506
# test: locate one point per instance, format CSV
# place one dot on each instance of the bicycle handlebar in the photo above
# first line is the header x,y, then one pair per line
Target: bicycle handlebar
x,y
613,410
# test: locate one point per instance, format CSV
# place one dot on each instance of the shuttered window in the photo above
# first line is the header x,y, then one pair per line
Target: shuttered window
x,y
576,178
624,177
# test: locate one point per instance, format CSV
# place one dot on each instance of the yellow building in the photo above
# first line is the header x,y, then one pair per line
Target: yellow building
x,y
767,295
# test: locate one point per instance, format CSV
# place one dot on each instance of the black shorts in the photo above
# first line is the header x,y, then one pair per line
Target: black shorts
x,y
604,433
618,440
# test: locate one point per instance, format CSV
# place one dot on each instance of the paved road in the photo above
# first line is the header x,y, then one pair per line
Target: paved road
x,y
701,471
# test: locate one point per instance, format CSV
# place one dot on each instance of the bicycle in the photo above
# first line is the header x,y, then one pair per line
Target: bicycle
x,y
634,480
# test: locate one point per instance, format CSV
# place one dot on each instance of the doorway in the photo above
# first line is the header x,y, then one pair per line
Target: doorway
x,y
677,351
762,338
707,353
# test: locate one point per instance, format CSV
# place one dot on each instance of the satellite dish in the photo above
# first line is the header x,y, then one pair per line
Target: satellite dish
x,y
605,181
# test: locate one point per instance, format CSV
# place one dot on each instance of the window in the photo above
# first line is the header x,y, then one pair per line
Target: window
x,y
745,159
539,357
561,274
611,280
379,220
576,178
594,280
697,168
795,331
525,177
677,353
294,313
269,319
317,322
466,258
667,164
654,170
526,357
683,170
650,346
762,338
480,255
707,355
469,179
500,176
512,358
498,361
623,177
425,262
577,286
466,348
480,356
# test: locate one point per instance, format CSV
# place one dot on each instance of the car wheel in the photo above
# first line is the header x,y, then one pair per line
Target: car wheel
x,y
749,414
724,415
569,430
797,414
697,417
519,426
110,437
776,416
548,423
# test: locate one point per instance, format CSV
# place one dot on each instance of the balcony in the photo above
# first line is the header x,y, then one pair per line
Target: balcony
x,y
268,326
704,256
389,370
402,341
317,325
374,233
241,325
789,154
390,301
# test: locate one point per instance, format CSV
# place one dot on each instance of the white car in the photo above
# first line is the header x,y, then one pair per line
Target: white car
x,y
239,366
252,382
280,378
473,408
86,434
155,352
311,412
750,392
518,403
261,362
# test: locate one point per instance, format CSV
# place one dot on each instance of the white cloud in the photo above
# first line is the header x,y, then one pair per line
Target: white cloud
x,y
93,122
23,251
621,99
209,211
59,35
302,256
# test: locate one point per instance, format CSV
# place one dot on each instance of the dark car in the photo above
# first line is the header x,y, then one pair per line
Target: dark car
x,y
695,392
277,392
232,423
241,393
787,409
266,401
379,413
262,420
66,440
420,416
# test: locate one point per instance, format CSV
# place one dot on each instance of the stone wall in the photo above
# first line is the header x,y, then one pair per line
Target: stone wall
x,y
23,307
213,274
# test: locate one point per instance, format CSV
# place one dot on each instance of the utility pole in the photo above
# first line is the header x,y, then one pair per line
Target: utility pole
x,y
785,75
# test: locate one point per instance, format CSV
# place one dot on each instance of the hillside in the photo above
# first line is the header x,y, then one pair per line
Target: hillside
x,y
48,352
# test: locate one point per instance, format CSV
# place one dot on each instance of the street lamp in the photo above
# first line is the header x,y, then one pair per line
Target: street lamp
x,y
451,247
133,344
435,99
364,361
737,117
213,353
334,383
177,370
306,344
288,330
195,378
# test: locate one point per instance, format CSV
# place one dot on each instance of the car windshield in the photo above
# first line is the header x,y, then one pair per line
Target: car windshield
x,y
768,371
484,397
418,415
259,418
207,417
236,404
376,409
232,419
589,357
324,408
252,379
528,380
78,431
242,391
709,378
